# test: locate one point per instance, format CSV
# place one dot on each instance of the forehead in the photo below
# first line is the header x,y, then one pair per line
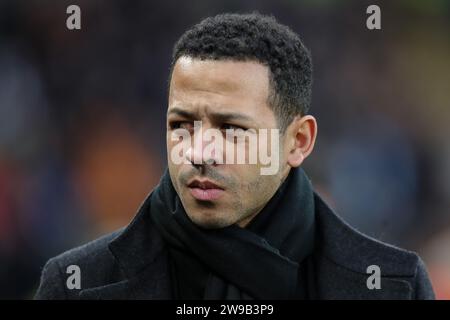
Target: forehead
x,y
225,84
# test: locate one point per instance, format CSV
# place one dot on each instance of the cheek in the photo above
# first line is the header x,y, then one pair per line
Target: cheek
x,y
248,176
169,144
261,187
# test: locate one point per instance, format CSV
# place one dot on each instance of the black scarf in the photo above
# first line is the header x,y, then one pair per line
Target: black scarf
x,y
262,261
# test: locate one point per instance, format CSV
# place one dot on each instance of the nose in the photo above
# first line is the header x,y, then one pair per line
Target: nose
x,y
194,153
206,147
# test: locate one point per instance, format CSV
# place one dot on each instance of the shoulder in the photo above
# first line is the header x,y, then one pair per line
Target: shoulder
x,y
346,249
347,246
94,261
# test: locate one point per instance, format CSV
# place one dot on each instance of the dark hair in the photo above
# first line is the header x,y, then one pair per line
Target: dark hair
x,y
261,38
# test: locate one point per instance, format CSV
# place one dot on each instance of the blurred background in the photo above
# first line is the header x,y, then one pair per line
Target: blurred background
x,y
82,120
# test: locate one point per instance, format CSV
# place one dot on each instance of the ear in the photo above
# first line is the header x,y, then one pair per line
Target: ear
x,y
300,138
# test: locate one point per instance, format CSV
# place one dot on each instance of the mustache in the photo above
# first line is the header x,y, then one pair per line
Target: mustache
x,y
206,172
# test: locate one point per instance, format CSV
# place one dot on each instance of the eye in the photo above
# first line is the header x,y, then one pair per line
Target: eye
x,y
173,125
228,126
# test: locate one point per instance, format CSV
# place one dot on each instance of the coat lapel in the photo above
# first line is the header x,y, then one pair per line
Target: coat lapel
x,y
150,284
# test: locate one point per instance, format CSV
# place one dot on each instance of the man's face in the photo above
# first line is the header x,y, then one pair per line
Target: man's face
x,y
222,95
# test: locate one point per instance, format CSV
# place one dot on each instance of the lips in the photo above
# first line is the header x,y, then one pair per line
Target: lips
x,y
205,190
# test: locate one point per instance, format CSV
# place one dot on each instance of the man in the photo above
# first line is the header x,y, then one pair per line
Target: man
x,y
215,229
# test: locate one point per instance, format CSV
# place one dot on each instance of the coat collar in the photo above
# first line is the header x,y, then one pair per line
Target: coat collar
x,y
143,259
355,251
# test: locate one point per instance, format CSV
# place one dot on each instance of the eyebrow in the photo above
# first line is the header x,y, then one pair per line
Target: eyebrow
x,y
217,116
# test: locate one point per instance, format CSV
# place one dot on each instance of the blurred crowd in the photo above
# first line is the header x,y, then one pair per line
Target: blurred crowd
x,y
82,120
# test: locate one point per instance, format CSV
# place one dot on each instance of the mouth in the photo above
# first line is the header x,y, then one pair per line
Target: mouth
x,y
205,190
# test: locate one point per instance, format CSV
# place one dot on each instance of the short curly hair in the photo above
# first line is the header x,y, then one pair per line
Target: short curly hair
x,y
259,38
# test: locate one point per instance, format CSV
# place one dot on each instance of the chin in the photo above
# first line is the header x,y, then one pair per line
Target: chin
x,y
209,221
